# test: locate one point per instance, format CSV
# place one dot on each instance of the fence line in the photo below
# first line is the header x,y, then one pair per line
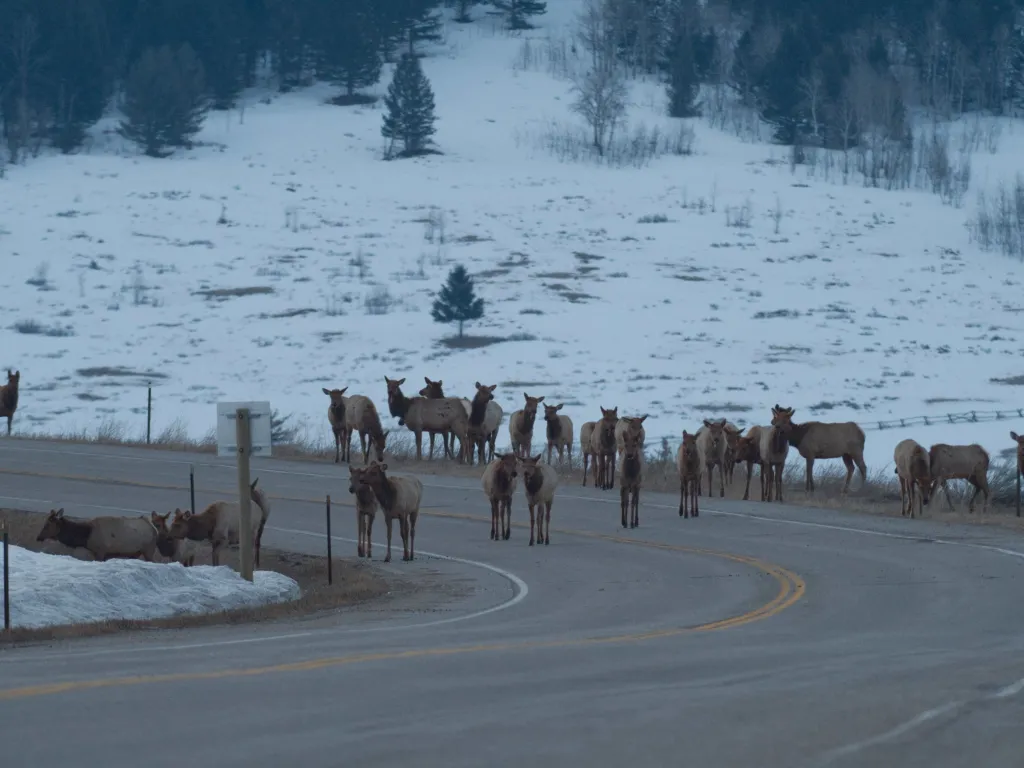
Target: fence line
x,y
969,417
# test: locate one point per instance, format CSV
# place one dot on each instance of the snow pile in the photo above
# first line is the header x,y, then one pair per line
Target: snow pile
x,y
714,285
55,589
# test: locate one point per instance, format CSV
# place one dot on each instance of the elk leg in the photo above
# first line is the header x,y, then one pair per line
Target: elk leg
x,y
412,536
809,482
624,504
508,520
369,536
337,447
682,496
611,475
693,503
494,519
387,522
586,464
531,524
403,523
363,445
711,469
418,436
721,481
360,532
903,491
977,490
636,507
848,461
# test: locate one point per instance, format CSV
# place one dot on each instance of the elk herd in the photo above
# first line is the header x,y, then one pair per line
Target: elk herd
x,y
611,447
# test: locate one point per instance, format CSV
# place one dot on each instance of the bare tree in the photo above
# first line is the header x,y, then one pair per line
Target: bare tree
x,y
601,95
813,89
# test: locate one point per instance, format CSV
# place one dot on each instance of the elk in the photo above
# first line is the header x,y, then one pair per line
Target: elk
x,y
520,426
586,434
9,397
336,416
499,483
748,450
631,478
711,444
688,464
399,497
634,424
435,391
104,537
479,429
559,432
1019,440
361,416
826,440
220,524
366,510
774,449
539,481
732,436
960,462
175,550
602,446
913,467
421,414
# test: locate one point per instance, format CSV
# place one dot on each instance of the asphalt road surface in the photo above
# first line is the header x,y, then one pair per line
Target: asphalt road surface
x,y
755,635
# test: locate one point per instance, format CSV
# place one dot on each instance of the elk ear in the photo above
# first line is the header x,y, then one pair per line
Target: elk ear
x,y
641,419
253,486
478,385
343,391
427,379
707,423
1013,435
60,512
400,382
326,391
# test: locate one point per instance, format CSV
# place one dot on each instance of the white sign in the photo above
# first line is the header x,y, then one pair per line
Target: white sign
x,y
259,428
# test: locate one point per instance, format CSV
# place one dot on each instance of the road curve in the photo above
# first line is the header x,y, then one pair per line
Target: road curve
x,y
756,635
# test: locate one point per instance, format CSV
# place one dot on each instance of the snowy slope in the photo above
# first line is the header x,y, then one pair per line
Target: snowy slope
x,y
868,304
57,589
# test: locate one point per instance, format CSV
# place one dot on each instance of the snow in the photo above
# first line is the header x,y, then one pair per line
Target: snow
x,y
895,312
58,589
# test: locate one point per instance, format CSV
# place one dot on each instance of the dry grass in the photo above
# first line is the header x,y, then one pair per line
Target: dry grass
x,y
354,582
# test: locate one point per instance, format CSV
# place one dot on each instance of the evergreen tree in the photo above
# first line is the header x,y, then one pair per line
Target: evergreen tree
x,y
348,51
705,55
682,83
423,22
783,102
456,302
410,108
462,10
518,12
164,100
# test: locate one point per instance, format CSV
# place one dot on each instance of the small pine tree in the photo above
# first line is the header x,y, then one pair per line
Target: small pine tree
x,y
682,78
456,302
165,100
518,12
410,108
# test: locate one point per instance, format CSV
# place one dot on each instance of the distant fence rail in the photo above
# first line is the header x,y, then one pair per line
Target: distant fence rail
x,y
970,417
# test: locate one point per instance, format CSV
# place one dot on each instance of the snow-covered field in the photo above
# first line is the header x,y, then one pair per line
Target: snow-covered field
x,y
57,589
613,287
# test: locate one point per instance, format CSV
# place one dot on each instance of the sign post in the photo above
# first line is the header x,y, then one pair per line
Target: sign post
x,y
249,434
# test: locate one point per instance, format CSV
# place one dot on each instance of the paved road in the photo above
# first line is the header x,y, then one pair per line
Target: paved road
x,y
756,635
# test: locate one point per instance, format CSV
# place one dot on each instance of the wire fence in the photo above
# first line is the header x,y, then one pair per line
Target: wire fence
x,y
970,417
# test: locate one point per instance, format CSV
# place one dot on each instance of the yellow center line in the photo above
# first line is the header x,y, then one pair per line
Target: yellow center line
x,y
791,590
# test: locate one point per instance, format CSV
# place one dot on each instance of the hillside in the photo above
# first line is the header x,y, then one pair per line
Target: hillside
x,y
282,254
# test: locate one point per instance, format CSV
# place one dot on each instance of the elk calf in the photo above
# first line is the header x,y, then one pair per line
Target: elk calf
x,y
366,510
499,483
540,482
559,433
732,436
774,449
913,467
336,417
220,524
399,497
748,450
688,464
631,477
479,429
711,444
960,462
9,397
589,457
602,446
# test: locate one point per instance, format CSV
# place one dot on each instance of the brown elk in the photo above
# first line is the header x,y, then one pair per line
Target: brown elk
x,y
774,449
479,429
732,436
589,457
603,448
399,498
361,416
420,414
688,464
711,444
634,424
748,451
104,537
631,478
336,416
960,462
559,432
520,426
435,391
177,550
499,483
825,440
9,397
913,467
366,510
220,524
540,482
1019,440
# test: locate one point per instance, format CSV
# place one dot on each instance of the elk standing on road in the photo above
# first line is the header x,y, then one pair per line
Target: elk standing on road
x,y
420,414
602,446
748,450
399,497
913,467
520,426
826,440
559,433
711,444
960,462
336,416
479,429
499,483
631,478
539,482
688,464
361,416
589,457
366,510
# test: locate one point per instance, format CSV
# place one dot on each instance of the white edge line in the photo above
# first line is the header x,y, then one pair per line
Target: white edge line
x,y
522,589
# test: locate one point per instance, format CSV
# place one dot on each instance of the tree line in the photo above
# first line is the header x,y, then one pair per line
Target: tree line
x,y
167,62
